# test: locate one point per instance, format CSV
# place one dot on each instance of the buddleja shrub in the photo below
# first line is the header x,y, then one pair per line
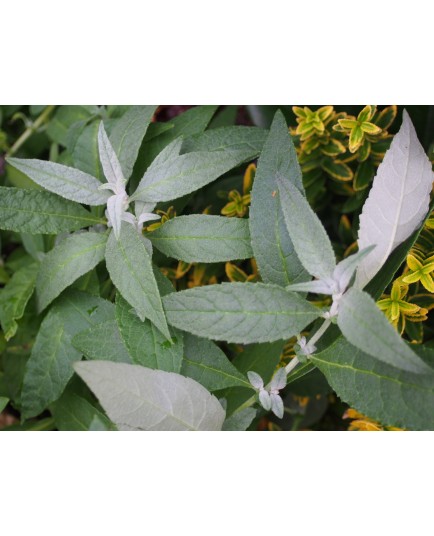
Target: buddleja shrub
x,y
150,359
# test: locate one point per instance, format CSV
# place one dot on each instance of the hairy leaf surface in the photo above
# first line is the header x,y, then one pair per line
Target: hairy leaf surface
x,y
398,200
239,312
39,212
207,364
139,398
271,243
202,238
145,343
367,328
64,264
393,397
65,181
130,269
49,368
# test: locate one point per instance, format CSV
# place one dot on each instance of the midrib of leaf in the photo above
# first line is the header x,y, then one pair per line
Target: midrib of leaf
x,y
398,213
219,371
371,373
279,245
143,402
63,179
182,237
57,339
214,311
90,219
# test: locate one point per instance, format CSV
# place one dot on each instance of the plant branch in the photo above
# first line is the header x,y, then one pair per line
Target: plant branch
x,y
30,130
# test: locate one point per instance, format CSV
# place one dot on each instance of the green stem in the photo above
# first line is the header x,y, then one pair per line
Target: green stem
x,y
30,130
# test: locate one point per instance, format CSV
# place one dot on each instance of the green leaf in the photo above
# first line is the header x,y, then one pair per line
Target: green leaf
x,y
239,312
72,412
382,392
14,297
307,233
260,358
85,154
64,264
145,344
174,175
189,123
208,365
139,398
239,421
272,246
49,368
237,141
102,342
65,181
130,269
3,403
127,135
39,212
202,238
366,327
65,116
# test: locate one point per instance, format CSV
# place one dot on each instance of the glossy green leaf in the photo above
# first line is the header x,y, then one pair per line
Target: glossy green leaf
x,y
64,181
49,368
207,364
202,238
102,342
139,398
271,243
366,327
239,312
130,269
64,264
145,343
39,212
391,396
15,296
127,135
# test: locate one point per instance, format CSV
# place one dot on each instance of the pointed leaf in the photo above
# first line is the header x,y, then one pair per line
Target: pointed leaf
x,y
202,238
185,174
398,200
207,364
380,391
64,264
127,135
3,403
102,342
365,326
239,421
272,246
15,296
146,345
239,312
138,398
345,270
130,269
65,181
85,154
49,368
255,380
277,406
307,233
109,160
39,212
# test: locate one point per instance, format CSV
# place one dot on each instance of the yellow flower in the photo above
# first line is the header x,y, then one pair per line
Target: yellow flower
x,y
420,270
397,310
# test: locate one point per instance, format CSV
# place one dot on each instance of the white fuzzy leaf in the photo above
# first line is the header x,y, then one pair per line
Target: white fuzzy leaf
x,y
139,398
397,202
109,160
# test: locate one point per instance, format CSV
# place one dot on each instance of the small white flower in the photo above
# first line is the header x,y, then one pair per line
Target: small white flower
x,y
270,399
